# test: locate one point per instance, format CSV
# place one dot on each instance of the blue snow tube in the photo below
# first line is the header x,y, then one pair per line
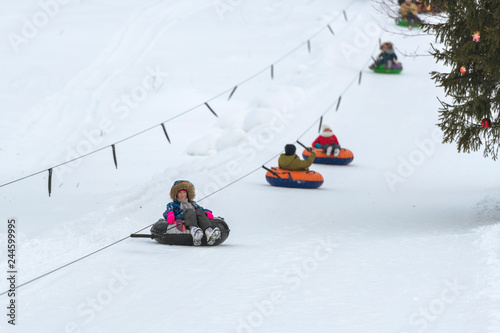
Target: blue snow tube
x,y
297,179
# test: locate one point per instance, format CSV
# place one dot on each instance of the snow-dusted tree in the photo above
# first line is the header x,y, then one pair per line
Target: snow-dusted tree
x,y
470,38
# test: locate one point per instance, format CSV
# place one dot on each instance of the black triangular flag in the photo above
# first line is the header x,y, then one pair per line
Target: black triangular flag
x,y
50,181
114,155
165,131
208,106
232,92
331,30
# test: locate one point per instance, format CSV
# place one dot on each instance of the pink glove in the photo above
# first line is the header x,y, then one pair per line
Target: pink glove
x,y
170,217
209,215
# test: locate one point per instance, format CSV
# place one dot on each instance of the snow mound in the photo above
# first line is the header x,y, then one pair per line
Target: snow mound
x,y
230,120
263,110
281,97
257,117
203,146
230,138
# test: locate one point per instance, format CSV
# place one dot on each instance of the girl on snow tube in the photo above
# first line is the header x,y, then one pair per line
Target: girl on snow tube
x,y
387,60
192,215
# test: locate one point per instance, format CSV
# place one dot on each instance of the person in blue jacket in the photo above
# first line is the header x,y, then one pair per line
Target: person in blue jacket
x,y
387,57
193,216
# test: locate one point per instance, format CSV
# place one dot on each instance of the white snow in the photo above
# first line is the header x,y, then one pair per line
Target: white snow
x,y
404,239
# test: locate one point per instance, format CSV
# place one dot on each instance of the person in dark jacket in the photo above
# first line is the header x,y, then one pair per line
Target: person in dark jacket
x,y
290,161
387,57
195,217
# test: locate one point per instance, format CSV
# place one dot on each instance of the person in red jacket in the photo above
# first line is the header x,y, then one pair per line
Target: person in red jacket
x,y
327,141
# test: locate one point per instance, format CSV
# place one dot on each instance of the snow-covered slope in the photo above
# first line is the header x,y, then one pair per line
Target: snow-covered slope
x,y
404,239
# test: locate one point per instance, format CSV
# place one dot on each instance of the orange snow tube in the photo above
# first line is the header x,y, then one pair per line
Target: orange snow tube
x,y
299,179
344,157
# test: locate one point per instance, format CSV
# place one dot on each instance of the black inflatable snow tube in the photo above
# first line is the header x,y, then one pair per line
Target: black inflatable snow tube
x,y
165,233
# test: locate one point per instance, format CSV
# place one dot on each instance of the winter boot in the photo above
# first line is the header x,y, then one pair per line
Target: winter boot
x,y
336,152
212,235
197,234
329,150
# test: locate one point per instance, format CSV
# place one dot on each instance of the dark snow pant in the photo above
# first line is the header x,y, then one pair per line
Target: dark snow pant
x,y
413,18
387,63
333,145
196,218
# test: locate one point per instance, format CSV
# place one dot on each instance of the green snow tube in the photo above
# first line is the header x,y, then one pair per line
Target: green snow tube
x,y
404,23
395,69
